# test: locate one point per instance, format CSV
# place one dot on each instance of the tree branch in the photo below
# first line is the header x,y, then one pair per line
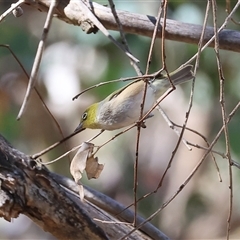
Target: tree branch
x,y
51,201
72,12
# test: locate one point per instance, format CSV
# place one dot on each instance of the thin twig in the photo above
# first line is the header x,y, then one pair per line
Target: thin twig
x,y
38,57
154,38
13,7
72,150
224,116
115,136
208,150
37,155
62,156
35,89
206,141
228,10
88,11
136,78
223,155
190,104
124,40
135,184
139,72
137,123
164,65
227,19
172,125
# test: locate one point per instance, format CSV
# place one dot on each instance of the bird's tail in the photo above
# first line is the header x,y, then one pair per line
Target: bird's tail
x,y
181,75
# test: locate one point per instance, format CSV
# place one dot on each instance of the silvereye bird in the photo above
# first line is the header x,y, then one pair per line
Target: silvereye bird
x,y
123,107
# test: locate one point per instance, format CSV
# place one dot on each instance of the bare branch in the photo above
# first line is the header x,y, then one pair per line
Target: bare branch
x,y
51,202
71,12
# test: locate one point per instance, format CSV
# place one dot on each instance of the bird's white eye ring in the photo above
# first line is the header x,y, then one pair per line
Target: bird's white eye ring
x,y
84,116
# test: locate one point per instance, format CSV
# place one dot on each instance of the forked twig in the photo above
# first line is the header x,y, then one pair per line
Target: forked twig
x,y
172,125
190,101
223,155
205,148
88,11
72,150
228,10
182,186
227,19
37,155
124,40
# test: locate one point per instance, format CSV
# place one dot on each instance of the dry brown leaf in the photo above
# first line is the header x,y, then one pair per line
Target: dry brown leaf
x,y
78,163
84,160
93,168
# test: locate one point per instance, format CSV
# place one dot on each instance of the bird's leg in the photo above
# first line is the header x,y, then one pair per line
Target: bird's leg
x,y
142,124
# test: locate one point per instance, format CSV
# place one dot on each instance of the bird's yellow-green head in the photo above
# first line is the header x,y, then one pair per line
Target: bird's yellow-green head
x,y
89,118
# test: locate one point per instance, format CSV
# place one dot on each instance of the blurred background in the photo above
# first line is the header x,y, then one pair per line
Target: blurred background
x,y
73,61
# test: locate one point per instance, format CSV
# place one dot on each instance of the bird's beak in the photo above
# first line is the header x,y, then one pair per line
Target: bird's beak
x,y
79,128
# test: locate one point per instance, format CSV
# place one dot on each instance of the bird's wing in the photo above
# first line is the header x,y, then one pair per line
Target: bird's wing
x,y
117,92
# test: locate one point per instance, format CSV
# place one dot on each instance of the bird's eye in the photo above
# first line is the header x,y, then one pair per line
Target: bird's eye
x,y
84,116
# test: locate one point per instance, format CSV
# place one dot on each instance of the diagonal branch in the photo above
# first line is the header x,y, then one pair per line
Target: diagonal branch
x,y
71,12
32,190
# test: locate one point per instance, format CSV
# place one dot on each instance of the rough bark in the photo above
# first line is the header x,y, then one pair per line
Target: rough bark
x,y
51,201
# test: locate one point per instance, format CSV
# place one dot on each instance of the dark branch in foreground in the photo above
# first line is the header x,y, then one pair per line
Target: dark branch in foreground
x,y
52,202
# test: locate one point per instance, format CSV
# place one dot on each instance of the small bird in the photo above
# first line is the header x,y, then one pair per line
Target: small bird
x,y
123,107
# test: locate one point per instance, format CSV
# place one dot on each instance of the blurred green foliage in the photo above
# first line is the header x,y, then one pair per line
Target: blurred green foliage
x,y
93,59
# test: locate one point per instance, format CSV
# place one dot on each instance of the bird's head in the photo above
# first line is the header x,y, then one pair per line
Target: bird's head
x,y
89,118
